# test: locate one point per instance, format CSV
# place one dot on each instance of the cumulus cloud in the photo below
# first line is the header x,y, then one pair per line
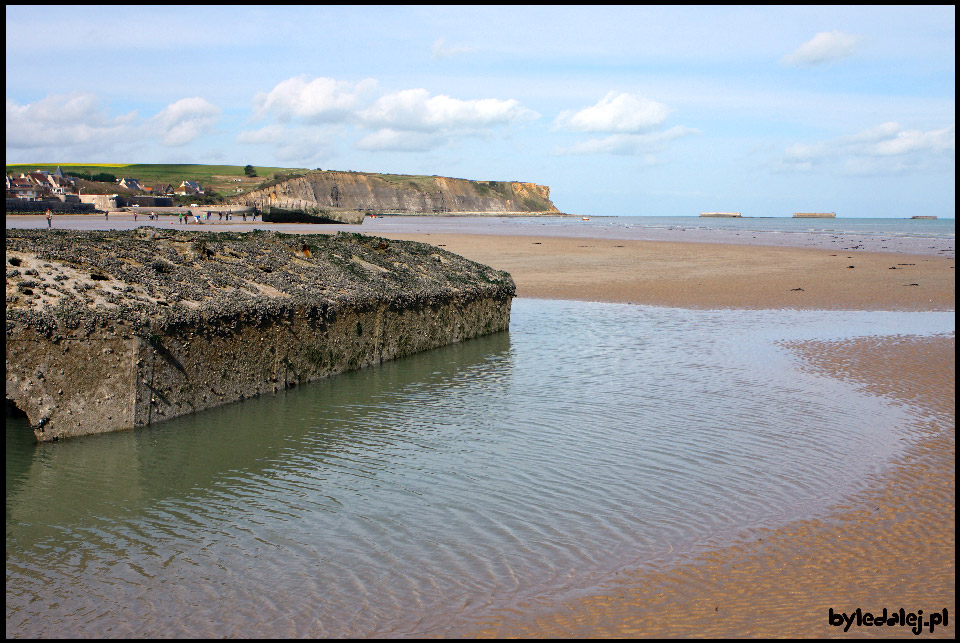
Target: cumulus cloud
x,y
408,120
185,120
413,120
634,125
825,47
317,100
416,109
615,112
888,148
79,126
66,121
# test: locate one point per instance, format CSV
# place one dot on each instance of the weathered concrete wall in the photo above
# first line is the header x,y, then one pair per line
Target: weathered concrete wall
x,y
81,362
104,202
79,386
59,206
73,385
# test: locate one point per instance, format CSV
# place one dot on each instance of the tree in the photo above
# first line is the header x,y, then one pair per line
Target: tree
x,y
249,171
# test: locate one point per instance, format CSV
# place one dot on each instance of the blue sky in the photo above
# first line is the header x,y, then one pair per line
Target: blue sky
x,y
620,110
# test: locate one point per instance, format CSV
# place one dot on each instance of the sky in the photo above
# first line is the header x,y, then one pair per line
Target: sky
x,y
621,110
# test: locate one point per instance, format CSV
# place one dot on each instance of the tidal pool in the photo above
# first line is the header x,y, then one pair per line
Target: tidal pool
x,y
410,499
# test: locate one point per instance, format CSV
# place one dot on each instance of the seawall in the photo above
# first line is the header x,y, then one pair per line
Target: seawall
x,y
111,330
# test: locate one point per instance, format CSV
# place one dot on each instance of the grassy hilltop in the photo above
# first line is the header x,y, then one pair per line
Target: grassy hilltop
x,y
218,178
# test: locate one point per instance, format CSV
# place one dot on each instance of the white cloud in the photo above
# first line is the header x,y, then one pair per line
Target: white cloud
x,y
887,148
633,144
303,144
317,100
634,125
825,47
441,50
65,120
185,120
615,112
79,126
412,120
416,109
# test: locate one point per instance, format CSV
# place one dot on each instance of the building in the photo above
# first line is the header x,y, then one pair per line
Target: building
x,y
189,188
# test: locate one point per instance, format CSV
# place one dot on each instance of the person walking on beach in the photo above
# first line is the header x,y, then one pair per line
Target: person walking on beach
x,y
49,218
179,217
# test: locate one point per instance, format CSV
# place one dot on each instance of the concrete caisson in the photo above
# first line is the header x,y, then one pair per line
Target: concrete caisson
x,y
122,329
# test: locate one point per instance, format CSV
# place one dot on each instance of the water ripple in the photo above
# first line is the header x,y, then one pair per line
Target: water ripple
x,y
396,500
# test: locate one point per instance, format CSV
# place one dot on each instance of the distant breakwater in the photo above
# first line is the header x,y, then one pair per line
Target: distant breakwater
x,y
111,330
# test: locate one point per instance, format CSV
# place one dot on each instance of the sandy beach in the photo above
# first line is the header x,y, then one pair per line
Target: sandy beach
x,y
707,275
891,546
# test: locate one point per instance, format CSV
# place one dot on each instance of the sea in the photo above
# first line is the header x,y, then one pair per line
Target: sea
x,y
634,226
420,496
915,236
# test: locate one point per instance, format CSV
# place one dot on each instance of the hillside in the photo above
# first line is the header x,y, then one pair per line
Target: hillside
x,y
400,194
311,190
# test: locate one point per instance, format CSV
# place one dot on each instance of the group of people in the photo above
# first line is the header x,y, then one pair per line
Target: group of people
x,y
183,217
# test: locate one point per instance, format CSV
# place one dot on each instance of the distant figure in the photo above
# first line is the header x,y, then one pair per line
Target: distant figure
x,y
106,216
244,215
49,218
179,217
221,216
134,216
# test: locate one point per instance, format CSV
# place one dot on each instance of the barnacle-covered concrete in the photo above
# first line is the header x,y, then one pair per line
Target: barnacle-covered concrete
x,y
108,330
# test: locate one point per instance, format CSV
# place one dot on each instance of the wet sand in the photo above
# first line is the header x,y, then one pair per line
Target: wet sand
x,y
890,546
705,275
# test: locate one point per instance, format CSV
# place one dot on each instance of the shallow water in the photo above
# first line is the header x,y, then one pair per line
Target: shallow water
x,y
411,498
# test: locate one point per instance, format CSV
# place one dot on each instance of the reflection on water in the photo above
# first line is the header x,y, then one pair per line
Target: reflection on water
x,y
406,499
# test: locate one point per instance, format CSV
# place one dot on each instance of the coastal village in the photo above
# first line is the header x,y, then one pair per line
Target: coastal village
x,y
41,190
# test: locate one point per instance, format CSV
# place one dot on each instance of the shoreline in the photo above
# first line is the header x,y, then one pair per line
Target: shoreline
x,y
566,226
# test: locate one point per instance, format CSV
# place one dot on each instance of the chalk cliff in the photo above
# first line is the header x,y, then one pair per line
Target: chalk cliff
x,y
111,330
332,191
